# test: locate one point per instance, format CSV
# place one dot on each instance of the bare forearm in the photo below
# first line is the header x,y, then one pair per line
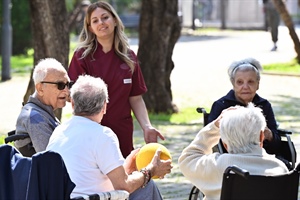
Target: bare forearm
x,y
131,182
139,109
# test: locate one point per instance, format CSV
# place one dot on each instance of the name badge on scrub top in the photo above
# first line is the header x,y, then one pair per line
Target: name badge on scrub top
x,y
127,81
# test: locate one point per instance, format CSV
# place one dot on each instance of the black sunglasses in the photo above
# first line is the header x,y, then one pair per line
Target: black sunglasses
x,y
60,85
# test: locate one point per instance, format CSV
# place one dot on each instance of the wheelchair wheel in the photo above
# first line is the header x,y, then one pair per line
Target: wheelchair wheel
x,y
196,194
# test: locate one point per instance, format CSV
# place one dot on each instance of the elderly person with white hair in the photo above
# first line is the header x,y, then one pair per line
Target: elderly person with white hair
x,y
37,118
242,132
92,153
244,76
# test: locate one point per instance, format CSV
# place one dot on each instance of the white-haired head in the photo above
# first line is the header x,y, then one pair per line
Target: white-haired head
x,y
240,128
89,95
44,67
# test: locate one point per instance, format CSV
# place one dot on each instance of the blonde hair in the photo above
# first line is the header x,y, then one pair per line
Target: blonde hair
x,y
88,40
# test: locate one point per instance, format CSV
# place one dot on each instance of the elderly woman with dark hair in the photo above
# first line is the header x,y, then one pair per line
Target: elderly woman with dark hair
x,y
245,76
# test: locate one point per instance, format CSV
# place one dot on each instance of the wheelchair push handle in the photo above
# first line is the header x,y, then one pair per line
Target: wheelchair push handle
x,y
283,132
15,137
201,110
242,172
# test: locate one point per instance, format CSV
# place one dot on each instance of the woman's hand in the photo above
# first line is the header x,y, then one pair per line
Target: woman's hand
x,y
151,134
217,121
268,134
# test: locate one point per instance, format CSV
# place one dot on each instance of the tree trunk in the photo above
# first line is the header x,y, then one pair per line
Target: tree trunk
x,y
286,18
73,15
159,30
49,26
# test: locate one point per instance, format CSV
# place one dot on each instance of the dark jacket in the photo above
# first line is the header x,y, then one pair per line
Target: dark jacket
x,y
42,177
14,173
230,100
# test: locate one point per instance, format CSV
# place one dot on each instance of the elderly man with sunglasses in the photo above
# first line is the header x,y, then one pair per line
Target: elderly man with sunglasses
x,y
37,118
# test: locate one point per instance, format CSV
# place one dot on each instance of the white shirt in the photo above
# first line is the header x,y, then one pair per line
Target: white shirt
x,y
90,151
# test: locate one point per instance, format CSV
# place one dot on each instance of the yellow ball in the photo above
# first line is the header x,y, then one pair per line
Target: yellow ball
x,y
146,153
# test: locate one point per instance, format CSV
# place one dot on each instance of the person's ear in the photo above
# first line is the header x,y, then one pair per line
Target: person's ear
x,y
261,138
104,108
257,86
39,88
225,145
72,103
90,29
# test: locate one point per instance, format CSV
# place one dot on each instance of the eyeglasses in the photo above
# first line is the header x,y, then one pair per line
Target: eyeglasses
x,y
60,85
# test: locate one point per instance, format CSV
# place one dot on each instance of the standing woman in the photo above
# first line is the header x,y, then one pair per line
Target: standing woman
x,y
103,51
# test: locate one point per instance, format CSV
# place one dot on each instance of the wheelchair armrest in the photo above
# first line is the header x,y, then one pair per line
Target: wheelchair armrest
x,y
242,172
283,132
291,147
115,194
11,133
205,114
15,137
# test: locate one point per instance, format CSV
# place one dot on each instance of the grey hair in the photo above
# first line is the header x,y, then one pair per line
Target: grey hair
x,y
44,66
240,128
89,95
248,64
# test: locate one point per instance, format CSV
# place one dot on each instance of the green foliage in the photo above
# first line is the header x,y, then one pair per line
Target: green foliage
x,y
2,139
70,4
291,67
20,22
124,6
127,6
21,64
184,116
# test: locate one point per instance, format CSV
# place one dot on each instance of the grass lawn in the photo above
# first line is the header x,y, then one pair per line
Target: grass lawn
x,y
291,67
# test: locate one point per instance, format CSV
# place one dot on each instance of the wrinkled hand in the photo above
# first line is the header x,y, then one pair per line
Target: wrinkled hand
x,y
151,134
159,167
217,121
268,134
129,164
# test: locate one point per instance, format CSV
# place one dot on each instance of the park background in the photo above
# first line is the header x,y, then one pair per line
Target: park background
x,y
201,57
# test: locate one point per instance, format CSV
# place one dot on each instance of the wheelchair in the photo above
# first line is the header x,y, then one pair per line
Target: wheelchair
x,y
43,176
287,152
239,183
27,150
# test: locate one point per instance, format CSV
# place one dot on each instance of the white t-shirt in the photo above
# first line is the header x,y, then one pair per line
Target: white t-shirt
x,y
90,151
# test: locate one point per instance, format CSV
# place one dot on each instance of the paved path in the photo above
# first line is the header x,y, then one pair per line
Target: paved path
x,y
198,79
